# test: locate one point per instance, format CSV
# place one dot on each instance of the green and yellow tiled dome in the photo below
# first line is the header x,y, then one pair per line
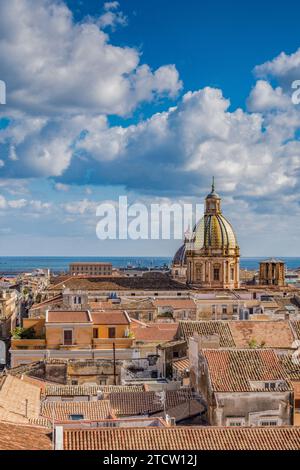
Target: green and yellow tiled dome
x,y
215,232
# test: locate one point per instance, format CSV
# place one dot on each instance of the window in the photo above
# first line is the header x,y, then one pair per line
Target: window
x,y
95,333
216,274
74,382
224,312
269,422
76,417
68,337
232,274
214,311
111,333
235,309
235,422
270,386
175,354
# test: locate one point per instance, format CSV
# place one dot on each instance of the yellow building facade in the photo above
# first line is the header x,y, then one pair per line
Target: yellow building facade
x,y
73,335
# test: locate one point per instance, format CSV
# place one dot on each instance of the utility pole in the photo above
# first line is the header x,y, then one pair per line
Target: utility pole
x,y
114,358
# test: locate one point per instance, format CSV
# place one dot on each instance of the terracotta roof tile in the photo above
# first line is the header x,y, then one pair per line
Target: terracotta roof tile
x,y
207,328
181,364
187,438
117,317
292,369
155,332
19,400
175,303
296,328
128,404
55,299
68,316
232,370
272,334
90,410
119,283
90,390
17,437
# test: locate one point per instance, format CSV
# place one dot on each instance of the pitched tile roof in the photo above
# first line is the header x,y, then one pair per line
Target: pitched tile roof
x,y
175,303
296,328
68,316
45,303
185,410
17,437
119,283
89,390
118,317
233,370
155,332
126,304
183,438
19,400
207,328
272,334
181,364
128,404
90,410
291,368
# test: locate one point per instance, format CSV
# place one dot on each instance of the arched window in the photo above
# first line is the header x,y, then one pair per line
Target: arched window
x,y
216,273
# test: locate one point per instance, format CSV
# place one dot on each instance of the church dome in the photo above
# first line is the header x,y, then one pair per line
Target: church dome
x,y
214,232
180,256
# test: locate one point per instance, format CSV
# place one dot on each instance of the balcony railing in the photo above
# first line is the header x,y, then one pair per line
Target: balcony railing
x,y
28,344
68,347
107,343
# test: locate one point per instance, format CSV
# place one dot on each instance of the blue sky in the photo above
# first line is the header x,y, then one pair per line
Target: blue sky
x,y
147,99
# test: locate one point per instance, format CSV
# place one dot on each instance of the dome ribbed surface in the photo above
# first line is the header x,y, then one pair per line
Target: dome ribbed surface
x,y
180,256
215,232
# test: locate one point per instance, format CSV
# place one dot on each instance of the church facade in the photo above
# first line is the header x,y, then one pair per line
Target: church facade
x,y
211,254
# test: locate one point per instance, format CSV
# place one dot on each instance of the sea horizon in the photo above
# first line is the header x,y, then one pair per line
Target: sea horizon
x,y
18,264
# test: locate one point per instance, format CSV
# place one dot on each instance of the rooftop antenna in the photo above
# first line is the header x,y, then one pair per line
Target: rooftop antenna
x,y
213,184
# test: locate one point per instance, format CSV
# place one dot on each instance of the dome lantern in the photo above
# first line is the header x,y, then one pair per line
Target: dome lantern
x,y
213,201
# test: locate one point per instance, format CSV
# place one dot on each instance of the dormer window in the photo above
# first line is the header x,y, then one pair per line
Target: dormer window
x,y
270,386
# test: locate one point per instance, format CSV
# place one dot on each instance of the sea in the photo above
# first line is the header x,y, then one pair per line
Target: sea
x,y
12,265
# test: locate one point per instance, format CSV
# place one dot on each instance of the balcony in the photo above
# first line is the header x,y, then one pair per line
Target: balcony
x,y
107,343
30,344
71,347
